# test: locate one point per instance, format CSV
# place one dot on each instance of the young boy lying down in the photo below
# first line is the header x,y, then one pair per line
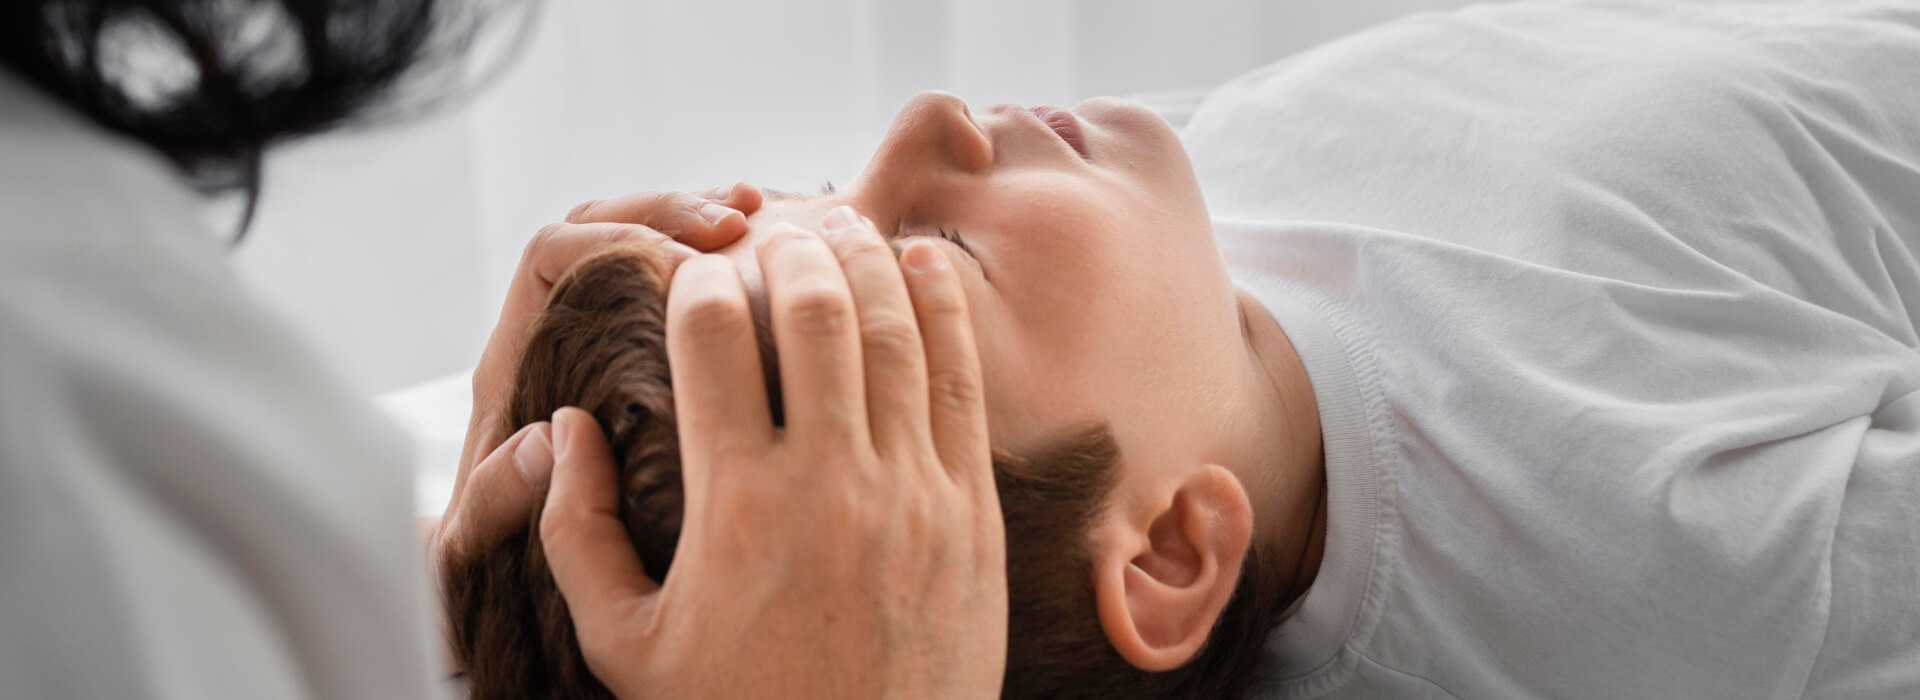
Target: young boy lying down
x,y
1542,349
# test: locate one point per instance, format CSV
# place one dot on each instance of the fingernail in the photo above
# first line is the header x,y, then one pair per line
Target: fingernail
x,y
560,432
921,256
842,216
726,191
534,458
713,213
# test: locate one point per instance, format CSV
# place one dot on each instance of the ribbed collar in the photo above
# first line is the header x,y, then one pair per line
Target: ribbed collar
x,y
1339,365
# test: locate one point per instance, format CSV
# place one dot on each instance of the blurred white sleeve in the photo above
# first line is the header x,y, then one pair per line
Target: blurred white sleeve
x,y
191,506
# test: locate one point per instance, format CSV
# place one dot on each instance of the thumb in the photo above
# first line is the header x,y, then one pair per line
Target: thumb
x,y
587,548
500,492
705,223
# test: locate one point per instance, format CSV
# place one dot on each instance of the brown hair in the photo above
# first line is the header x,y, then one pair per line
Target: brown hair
x,y
600,345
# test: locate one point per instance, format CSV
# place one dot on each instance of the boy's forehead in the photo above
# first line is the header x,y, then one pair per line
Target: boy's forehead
x,y
805,211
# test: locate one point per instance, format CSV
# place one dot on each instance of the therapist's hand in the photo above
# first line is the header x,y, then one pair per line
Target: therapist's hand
x,y
858,552
490,496
502,477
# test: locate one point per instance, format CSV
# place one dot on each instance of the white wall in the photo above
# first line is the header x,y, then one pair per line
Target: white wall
x,y
367,244
392,250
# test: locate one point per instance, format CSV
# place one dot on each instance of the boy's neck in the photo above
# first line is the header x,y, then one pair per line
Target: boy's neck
x,y
1285,476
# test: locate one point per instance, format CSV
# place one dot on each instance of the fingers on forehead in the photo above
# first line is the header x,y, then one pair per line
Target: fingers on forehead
x,y
715,357
815,326
705,280
890,338
956,390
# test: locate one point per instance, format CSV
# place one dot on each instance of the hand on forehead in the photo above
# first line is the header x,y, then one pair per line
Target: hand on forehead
x,y
801,211
798,210
805,212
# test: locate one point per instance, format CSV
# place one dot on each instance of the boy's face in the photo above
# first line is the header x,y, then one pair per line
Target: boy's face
x,y
1095,288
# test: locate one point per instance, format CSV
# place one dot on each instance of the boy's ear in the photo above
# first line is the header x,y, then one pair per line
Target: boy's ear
x,y
1165,563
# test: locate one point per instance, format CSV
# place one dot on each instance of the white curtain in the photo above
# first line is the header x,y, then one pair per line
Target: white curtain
x,y
392,249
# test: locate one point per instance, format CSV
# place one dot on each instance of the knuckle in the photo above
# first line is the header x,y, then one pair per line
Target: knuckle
x,y
557,528
672,212
582,211
817,309
621,232
861,242
945,303
681,202
711,315
451,536
548,242
891,333
919,521
628,233
838,445
544,237
849,511
954,387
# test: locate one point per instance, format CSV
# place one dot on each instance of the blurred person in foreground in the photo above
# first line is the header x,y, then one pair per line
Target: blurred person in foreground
x,y
192,505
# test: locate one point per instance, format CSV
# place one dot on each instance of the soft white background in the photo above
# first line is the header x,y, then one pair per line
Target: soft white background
x,y
391,250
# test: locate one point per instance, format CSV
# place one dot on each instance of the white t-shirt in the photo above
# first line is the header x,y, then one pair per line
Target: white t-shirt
x,y
190,506
1610,309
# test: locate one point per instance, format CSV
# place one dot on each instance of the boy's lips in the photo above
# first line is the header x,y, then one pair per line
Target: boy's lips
x,y
1063,124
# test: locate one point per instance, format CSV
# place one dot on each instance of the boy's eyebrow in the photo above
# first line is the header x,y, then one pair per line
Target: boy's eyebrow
x,y
826,188
784,195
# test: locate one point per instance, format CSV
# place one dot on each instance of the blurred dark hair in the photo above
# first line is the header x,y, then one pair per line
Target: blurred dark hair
x,y
213,83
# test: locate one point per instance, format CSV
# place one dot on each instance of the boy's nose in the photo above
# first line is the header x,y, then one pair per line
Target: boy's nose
x,y
935,131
